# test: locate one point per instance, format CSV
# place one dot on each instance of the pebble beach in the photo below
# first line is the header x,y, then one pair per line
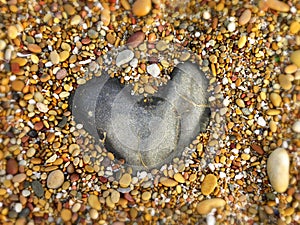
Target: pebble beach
x,y
243,170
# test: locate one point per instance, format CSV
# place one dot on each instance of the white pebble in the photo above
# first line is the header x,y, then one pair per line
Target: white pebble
x,y
124,57
278,169
25,193
206,15
153,70
296,126
18,207
231,27
261,121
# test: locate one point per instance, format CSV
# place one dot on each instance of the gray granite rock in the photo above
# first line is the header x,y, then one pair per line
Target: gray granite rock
x,y
146,132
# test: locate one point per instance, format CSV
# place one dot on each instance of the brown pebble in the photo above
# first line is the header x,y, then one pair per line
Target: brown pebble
x,y
245,17
257,148
278,5
34,48
12,166
136,39
17,85
61,74
19,178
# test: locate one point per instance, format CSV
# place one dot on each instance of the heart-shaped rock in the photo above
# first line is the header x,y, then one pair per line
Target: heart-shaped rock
x,y
145,131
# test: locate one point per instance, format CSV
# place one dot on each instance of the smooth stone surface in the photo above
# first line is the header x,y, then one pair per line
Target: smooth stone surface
x,y
205,207
55,179
295,57
209,184
54,57
125,180
153,69
124,57
141,7
179,178
168,182
66,214
94,202
296,126
278,169
278,5
17,85
275,99
18,178
145,131
136,39
284,81
12,166
245,17
37,188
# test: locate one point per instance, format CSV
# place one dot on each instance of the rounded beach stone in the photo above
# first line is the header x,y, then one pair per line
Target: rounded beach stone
x,y
296,126
295,57
145,131
278,169
125,180
66,214
206,206
55,179
141,7
275,99
209,184
12,166
94,202
245,17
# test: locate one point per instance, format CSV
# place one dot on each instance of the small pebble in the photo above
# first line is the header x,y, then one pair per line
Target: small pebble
x,y
136,39
19,178
284,82
55,179
115,196
66,214
94,202
17,85
146,195
278,169
125,180
61,74
275,99
124,57
153,69
94,214
296,126
37,188
231,27
12,32
34,48
242,41
168,182
205,207
141,7
245,17
295,57
179,178
278,5
125,4
209,184
54,57
12,166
